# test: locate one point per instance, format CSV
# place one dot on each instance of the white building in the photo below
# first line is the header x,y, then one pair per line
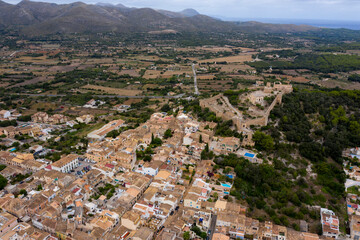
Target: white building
x,y
66,164
85,119
5,114
150,168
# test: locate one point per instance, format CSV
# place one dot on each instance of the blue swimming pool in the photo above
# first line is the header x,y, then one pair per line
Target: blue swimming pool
x,y
12,149
251,155
226,185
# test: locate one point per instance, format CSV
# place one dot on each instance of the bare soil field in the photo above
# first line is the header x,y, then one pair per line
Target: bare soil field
x,y
33,81
229,68
345,85
299,79
291,72
117,91
40,105
146,58
37,60
130,72
213,85
66,68
207,76
152,74
79,111
232,59
169,74
132,100
99,61
248,77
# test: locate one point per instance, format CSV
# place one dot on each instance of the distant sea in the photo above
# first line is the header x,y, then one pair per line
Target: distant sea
x,y
354,25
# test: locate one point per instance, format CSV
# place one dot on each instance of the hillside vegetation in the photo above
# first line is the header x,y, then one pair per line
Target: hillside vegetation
x,y
303,146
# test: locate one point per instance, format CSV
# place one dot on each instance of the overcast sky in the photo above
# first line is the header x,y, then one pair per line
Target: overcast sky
x,y
250,9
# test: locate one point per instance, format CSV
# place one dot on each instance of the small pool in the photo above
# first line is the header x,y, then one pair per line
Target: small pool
x,y
226,185
226,193
250,155
12,149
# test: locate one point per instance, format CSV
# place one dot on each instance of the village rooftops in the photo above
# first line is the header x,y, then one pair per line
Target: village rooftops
x,y
163,175
65,160
143,233
132,216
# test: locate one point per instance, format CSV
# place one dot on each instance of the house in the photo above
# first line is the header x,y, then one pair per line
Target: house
x,y
150,168
25,161
58,119
85,119
40,117
131,220
122,107
330,223
124,159
311,236
93,103
143,233
16,207
4,114
355,173
162,175
7,222
150,195
66,164
229,144
37,203
220,236
71,123
279,232
167,234
355,227
192,200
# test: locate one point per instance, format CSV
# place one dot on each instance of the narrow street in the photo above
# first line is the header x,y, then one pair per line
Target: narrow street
x,y
212,226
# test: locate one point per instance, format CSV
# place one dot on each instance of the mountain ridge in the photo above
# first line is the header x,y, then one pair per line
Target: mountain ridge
x,y
41,18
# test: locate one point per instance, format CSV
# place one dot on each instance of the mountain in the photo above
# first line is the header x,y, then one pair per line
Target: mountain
x,y
184,13
189,12
39,18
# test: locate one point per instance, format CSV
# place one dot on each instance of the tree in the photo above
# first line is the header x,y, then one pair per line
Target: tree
x,y
165,108
2,167
3,182
147,158
23,192
263,141
186,235
216,195
200,139
168,134
156,142
39,187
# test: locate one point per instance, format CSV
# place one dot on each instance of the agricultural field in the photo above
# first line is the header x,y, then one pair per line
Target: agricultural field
x,y
115,91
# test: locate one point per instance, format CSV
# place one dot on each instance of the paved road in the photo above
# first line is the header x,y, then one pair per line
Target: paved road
x,y
195,80
104,96
212,226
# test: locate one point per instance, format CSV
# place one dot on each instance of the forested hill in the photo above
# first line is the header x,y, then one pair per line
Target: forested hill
x,y
302,145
